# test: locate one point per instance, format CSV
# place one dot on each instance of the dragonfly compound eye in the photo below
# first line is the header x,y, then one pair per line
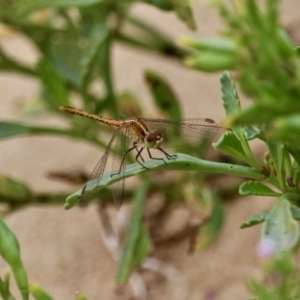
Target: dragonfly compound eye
x,y
153,139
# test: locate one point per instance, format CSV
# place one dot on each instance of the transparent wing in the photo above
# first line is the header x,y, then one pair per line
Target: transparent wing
x,y
191,130
118,166
98,171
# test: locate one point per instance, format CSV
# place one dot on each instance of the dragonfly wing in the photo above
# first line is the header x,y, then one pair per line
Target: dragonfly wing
x,y
191,130
96,175
119,163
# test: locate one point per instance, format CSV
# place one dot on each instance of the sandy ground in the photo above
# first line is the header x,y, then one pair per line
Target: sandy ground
x,y
64,251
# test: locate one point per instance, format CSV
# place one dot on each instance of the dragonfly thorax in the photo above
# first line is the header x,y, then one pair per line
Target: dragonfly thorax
x,y
153,139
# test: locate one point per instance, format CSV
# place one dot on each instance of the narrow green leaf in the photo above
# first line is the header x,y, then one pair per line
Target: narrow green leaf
x,y
4,287
217,45
280,230
66,58
163,95
13,189
27,6
295,152
55,91
161,4
250,133
143,246
230,145
182,162
285,44
184,12
10,251
38,293
10,129
256,188
286,129
211,62
231,100
297,50
261,113
232,106
277,150
135,229
96,40
256,219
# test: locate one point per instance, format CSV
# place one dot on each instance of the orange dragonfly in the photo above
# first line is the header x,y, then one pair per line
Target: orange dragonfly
x,y
144,134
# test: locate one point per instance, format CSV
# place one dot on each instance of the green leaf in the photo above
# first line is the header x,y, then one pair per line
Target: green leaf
x,y
256,188
10,129
231,100
277,150
295,152
14,190
217,45
38,293
297,50
10,252
280,230
230,145
132,247
262,291
256,219
27,6
97,38
184,12
182,162
66,57
144,246
162,4
211,62
163,95
286,129
232,106
261,113
4,287
250,133
55,91
295,212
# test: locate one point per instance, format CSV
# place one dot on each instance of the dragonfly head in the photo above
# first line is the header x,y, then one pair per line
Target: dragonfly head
x,y
153,139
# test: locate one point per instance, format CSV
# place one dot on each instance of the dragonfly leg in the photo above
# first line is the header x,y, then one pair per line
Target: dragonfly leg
x,y
169,156
123,159
139,155
156,158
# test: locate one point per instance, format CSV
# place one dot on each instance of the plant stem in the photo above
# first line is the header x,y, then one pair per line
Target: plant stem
x,y
69,133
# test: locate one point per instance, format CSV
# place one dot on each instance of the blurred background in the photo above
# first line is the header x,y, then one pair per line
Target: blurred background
x,y
64,251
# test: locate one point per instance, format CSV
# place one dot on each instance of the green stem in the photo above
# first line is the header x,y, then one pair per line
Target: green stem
x,y
107,76
160,42
69,133
159,47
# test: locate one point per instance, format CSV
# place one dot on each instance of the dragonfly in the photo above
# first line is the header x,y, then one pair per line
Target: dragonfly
x,y
144,134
